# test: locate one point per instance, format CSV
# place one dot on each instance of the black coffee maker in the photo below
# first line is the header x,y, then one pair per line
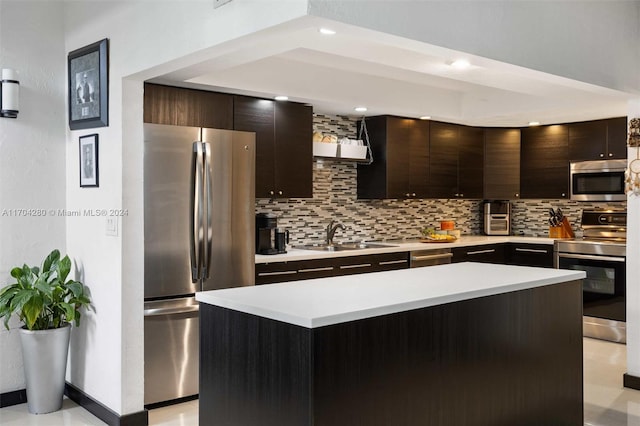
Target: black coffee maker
x,y
269,238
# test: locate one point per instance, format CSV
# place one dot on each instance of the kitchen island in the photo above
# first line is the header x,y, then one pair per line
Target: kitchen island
x,y
466,343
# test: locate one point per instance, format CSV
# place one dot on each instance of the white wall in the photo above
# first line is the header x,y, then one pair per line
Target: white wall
x,y
590,41
146,39
32,153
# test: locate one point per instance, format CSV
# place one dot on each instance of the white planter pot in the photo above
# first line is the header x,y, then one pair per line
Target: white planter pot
x,y
44,353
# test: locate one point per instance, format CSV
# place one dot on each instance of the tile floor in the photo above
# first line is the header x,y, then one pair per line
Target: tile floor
x,y
606,402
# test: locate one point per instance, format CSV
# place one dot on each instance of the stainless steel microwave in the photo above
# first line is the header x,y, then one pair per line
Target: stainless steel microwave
x,y
598,180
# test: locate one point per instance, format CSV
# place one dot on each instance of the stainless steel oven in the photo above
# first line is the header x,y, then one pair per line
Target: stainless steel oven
x,y
602,255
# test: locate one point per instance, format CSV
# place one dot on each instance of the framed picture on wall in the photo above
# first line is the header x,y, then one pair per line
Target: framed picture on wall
x,y
89,173
87,69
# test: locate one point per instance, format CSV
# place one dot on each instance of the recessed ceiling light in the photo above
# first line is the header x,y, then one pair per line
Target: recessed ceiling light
x,y
281,98
326,31
360,109
534,123
425,117
460,64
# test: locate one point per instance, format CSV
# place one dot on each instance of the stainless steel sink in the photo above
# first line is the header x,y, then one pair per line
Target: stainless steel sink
x,y
343,246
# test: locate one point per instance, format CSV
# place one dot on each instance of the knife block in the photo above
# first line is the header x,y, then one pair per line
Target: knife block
x,y
562,231
566,229
556,232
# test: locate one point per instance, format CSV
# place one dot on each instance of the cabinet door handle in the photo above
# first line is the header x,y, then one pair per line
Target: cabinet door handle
x,y
532,250
407,195
564,195
362,265
279,192
392,262
601,155
517,195
271,193
462,195
270,274
431,257
481,251
327,268
610,154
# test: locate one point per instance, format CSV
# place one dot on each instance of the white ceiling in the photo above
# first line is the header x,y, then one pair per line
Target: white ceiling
x,y
391,75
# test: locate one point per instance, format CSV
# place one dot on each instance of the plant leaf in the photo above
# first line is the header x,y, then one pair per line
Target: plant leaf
x,y
26,271
42,285
76,288
69,311
63,268
7,293
16,272
32,310
77,321
21,298
51,260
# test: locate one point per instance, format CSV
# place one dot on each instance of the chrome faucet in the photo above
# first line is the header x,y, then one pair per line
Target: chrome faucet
x,y
331,230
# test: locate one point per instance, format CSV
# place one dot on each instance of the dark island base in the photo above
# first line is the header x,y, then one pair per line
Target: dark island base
x,y
509,359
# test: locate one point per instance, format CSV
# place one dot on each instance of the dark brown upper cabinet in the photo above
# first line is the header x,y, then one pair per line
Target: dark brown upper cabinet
x,y
400,167
283,145
598,139
544,162
456,161
501,164
187,107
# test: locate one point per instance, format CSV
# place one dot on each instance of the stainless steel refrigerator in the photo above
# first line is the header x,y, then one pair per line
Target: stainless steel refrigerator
x,y
198,235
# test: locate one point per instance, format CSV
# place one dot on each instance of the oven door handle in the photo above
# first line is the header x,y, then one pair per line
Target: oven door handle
x,y
590,257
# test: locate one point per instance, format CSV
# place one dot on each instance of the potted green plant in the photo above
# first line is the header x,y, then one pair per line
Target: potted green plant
x,y
46,303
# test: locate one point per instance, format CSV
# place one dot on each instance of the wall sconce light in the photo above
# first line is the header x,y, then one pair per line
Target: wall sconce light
x,y
9,90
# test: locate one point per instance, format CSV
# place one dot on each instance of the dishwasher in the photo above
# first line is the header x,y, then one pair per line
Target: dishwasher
x,y
431,257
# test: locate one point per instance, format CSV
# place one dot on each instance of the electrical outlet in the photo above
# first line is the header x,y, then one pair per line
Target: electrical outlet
x,y
112,226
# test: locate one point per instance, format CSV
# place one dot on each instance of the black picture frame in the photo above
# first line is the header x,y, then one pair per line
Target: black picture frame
x,y
89,165
87,71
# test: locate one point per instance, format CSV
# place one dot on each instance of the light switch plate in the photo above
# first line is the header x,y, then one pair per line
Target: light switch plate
x,y
218,3
112,226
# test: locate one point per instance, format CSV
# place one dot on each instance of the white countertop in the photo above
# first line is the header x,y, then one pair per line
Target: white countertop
x,y
325,301
471,240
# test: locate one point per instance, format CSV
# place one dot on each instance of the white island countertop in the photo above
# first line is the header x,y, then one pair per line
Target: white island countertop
x,y
326,301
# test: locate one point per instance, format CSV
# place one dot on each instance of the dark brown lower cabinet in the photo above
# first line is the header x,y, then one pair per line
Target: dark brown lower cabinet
x,y
487,253
507,359
268,273
530,255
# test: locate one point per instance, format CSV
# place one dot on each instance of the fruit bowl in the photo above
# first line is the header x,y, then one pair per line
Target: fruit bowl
x,y
438,238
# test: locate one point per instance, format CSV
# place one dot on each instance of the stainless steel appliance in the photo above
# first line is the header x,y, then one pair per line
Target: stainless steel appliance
x,y
269,238
419,258
198,235
600,180
601,253
497,217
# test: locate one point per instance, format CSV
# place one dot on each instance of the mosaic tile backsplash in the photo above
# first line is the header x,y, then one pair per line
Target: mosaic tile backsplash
x,y
334,198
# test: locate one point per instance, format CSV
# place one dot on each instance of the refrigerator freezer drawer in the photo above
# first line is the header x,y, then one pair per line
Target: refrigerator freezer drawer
x,y
171,346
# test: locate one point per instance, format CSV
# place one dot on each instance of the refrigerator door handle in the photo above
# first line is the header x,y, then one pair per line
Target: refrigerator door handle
x,y
196,212
171,311
208,207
